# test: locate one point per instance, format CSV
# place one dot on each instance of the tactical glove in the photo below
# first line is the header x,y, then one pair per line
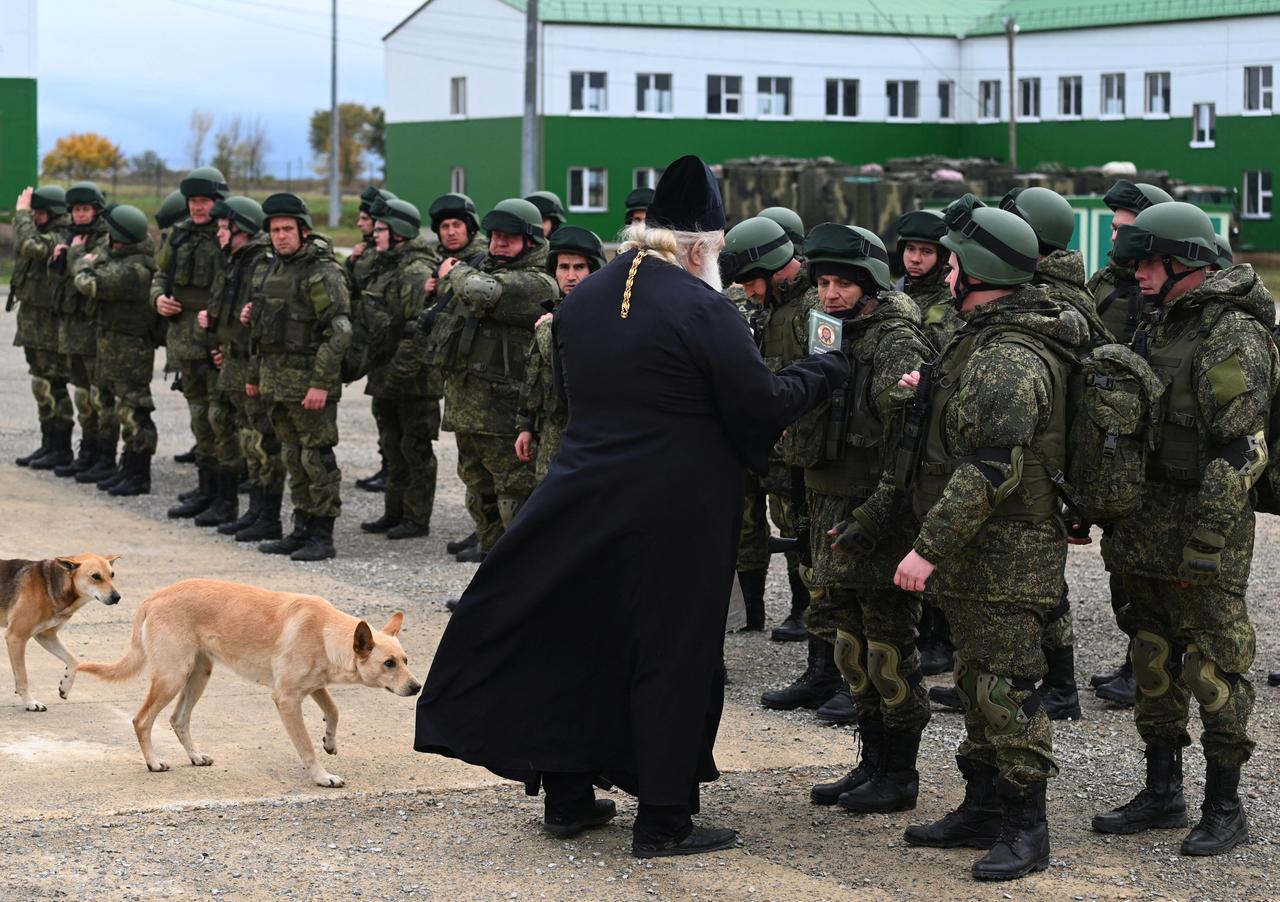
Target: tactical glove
x,y
1202,557
858,534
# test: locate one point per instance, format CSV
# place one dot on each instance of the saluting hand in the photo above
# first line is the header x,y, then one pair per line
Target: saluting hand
x,y
24,199
913,572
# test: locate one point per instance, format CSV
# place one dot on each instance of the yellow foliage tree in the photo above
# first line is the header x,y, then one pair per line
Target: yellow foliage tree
x,y
84,155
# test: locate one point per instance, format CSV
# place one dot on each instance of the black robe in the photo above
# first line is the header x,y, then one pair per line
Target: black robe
x,y
591,638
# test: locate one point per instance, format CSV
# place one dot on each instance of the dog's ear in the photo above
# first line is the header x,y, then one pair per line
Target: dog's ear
x,y
68,564
363,640
393,625
112,558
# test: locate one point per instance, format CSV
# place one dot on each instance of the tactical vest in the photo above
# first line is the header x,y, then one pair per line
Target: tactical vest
x,y
492,351
195,262
127,309
288,321
1121,310
776,337
237,291
72,303
1035,499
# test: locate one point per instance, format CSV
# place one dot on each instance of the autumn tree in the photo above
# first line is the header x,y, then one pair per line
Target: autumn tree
x,y
359,131
83,155
200,124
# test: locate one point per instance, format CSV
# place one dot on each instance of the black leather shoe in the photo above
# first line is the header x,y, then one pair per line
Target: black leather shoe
x,y
1061,703
470,556
452,605
186,457
461,544
602,811
699,840
936,658
1120,691
946,696
839,709
1273,678
408,529
1106,676
380,525
814,687
790,630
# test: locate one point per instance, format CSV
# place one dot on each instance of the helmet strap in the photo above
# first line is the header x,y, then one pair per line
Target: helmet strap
x,y
964,288
1173,278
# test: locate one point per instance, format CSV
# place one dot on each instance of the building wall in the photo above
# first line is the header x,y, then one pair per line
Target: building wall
x,y
18,148
421,156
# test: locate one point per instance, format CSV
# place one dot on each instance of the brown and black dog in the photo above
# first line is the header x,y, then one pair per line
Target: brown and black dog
x,y
37,598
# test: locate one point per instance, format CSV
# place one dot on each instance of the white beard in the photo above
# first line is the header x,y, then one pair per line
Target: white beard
x,y
710,273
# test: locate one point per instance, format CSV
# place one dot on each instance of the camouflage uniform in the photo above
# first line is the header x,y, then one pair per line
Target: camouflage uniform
x,y
433,346
191,258
118,283
360,268
541,410
495,307
33,287
406,410
78,336
301,330
1214,339
933,297
1117,299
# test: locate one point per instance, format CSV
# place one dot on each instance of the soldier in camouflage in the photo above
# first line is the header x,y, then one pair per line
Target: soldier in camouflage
x,y
40,225
301,329
360,267
188,261
551,210
992,541
637,205
575,253
404,407
119,283
873,624
1184,556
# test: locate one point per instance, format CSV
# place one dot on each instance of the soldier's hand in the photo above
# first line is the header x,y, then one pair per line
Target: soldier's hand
x,y
59,250
910,380
1078,533
80,239
216,356
1202,558
858,534
542,319
357,250
447,266
524,446
90,258
24,199
167,306
203,319
430,285
251,390
246,313
913,572
315,399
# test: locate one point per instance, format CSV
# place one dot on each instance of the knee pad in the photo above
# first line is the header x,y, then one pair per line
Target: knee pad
x,y
42,390
84,406
966,682
508,505
1152,658
1003,713
851,661
884,663
1211,687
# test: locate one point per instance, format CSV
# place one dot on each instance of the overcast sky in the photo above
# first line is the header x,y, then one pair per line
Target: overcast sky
x,y
134,70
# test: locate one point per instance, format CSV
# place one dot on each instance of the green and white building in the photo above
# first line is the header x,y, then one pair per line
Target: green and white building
x,y
625,87
18,148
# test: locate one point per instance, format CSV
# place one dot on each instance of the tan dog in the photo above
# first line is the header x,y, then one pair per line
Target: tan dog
x,y
37,598
294,644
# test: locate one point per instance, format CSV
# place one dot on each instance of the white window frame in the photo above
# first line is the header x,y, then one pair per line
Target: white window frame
x,y
458,180
1266,91
1113,79
646,176
577,174
725,96
989,89
770,89
842,113
949,86
897,89
1073,86
1158,80
1262,199
1210,136
458,97
589,93
1024,115
646,86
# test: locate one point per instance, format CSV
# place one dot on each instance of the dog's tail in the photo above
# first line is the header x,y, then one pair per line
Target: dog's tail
x,y
133,660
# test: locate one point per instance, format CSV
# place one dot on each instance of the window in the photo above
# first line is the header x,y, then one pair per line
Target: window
x,y
1204,125
946,100
587,92
588,190
458,180
458,96
653,93
1113,94
1070,97
773,96
1157,94
842,97
903,99
989,100
1028,98
646,177
1257,194
724,95
1257,89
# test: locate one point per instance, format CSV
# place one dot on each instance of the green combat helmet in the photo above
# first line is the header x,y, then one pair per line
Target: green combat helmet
x,y
50,198
172,209
244,213
515,217
369,196
790,221
126,224
637,200
204,182
285,204
549,207
1134,197
920,225
1226,259
454,206
1171,231
400,216
576,240
845,245
993,246
1047,212
85,193
755,248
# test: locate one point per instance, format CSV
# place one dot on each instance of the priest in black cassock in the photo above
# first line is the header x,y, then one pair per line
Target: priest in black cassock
x,y
588,649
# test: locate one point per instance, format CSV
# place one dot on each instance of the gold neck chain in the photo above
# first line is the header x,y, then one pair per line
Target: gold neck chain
x,y
631,280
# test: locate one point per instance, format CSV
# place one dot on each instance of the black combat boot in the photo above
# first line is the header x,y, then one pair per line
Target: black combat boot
x,y
1121,691
319,542
472,555
871,733
392,514
104,465
818,683
84,460
1058,690
1273,678
1160,804
137,480
121,471
792,629
204,496
937,654
1023,846
267,526
43,449
975,824
226,504
293,541
186,457
409,529
839,709
946,696
248,518
895,784
368,483
752,583
1222,824
59,453
1106,676
461,544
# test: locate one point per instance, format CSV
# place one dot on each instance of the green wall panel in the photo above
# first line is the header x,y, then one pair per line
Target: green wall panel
x,y
19,165
420,156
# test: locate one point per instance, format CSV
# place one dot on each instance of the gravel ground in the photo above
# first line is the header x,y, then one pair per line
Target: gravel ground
x,y
86,821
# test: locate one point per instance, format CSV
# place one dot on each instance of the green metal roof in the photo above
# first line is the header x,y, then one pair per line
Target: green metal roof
x,y
919,18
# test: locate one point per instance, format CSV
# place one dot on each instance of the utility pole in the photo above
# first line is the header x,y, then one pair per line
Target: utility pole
x,y
335,195
529,149
1011,29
